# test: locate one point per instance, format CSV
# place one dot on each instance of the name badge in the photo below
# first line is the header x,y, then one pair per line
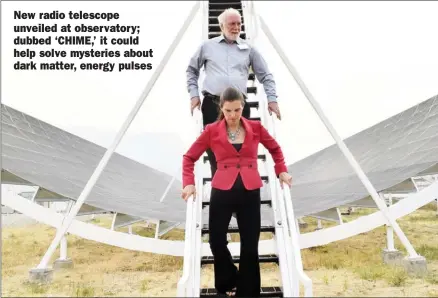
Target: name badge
x,y
243,46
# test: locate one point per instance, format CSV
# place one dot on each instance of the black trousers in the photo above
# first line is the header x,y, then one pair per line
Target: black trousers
x,y
210,112
246,204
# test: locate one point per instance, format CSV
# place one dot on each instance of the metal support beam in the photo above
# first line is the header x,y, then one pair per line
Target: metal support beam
x,y
389,230
113,222
319,225
63,248
35,194
348,155
157,228
103,162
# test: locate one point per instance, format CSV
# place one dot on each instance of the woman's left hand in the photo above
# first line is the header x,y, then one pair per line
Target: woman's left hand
x,y
285,178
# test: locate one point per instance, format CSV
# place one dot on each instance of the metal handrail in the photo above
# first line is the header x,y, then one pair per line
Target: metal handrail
x,y
303,277
188,285
281,226
295,272
197,219
281,223
191,245
292,240
182,283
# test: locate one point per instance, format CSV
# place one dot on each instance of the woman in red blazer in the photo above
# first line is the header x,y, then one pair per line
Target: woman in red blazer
x,y
236,185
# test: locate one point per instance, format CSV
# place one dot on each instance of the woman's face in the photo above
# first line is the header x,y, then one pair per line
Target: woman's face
x,y
232,111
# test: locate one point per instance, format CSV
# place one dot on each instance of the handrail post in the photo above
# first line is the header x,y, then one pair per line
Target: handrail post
x,y
281,224
187,285
307,282
182,284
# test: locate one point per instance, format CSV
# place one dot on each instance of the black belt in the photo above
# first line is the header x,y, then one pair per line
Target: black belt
x,y
216,97
206,94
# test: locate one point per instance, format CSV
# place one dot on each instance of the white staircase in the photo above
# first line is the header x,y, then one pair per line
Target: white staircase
x,y
284,228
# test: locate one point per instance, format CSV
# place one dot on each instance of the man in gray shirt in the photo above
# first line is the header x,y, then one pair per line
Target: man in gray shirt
x,y
227,59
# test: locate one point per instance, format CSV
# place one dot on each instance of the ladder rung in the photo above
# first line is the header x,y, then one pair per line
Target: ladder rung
x,y
255,118
236,259
220,10
264,292
253,104
223,6
251,90
251,76
223,1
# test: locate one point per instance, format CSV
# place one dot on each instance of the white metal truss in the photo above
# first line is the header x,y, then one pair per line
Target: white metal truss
x,y
348,155
103,162
421,182
176,248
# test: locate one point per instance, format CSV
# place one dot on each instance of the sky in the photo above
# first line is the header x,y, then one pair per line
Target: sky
x,y
362,61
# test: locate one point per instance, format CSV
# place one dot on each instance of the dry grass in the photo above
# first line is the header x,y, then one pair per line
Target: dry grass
x,y
351,267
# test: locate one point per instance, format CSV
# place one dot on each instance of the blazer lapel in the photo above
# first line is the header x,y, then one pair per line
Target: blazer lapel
x,y
223,136
249,133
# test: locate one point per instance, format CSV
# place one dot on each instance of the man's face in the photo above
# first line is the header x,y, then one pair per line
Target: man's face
x,y
231,27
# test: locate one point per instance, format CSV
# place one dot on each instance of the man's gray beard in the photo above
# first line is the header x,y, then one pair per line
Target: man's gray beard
x,y
232,38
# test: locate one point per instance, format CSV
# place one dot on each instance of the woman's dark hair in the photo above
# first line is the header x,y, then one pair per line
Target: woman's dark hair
x,y
230,94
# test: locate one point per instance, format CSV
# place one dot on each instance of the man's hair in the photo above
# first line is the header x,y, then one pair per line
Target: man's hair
x,y
230,94
227,12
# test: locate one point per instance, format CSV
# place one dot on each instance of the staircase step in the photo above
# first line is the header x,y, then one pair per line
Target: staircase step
x,y
263,202
263,229
236,259
253,104
264,292
251,90
222,5
260,156
208,179
223,1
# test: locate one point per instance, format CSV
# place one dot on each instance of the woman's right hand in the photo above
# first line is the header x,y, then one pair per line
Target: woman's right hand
x,y
188,191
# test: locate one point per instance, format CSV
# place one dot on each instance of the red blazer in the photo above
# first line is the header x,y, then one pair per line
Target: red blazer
x,y
229,161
